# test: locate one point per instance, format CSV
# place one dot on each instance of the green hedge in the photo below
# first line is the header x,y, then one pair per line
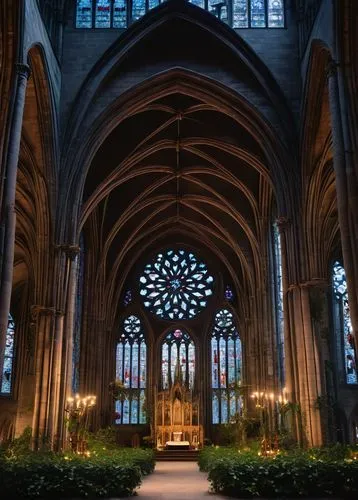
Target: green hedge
x,y
244,475
40,476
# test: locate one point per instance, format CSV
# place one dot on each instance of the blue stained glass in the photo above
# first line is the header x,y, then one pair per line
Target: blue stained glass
x,y
6,379
178,359
218,9
214,363
222,349
198,3
135,359
152,4
258,14
229,295
143,365
225,366
341,294
125,417
191,364
165,366
175,285
120,14
131,370
84,14
142,411
215,409
276,14
224,408
118,412
278,291
103,14
138,9
134,412
240,15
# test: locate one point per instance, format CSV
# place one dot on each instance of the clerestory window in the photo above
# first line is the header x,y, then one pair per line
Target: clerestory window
x,y
235,13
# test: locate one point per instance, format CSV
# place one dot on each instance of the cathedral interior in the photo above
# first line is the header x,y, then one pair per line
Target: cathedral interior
x,y
179,200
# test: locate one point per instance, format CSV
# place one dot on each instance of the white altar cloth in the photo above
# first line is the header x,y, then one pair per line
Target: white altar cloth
x,y
177,443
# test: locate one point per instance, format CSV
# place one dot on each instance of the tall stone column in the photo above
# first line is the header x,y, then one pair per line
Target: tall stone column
x,y
8,207
65,332
44,319
339,157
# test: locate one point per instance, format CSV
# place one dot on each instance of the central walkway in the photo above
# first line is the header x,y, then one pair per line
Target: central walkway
x,y
176,480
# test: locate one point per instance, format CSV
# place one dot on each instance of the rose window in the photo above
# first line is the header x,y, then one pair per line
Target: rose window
x,y
176,285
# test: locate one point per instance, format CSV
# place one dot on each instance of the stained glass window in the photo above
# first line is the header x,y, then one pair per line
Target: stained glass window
x,y
120,14
344,324
176,285
7,375
278,302
198,3
240,16
238,13
275,14
78,321
178,359
152,4
226,363
131,370
258,14
138,9
229,295
127,298
103,14
218,8
84,14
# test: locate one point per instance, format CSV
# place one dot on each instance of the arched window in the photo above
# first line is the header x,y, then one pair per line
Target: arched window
x,y
226,363
236,13
176,285
178,359
7,374
343,324
131,370
277,293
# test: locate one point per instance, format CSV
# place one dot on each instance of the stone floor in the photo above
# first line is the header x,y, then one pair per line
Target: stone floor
x,y
179,481
176,480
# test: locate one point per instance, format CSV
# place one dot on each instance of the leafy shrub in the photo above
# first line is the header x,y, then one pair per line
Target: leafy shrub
x,y
297,475
57,476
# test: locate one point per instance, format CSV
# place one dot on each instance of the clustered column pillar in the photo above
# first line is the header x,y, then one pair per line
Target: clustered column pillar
x,y
8,207
339,157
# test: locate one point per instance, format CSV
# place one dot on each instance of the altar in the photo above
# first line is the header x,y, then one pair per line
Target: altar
x,y
177,419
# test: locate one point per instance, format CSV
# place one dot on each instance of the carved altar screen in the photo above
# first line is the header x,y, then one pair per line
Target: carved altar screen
x,y
226,362
177,409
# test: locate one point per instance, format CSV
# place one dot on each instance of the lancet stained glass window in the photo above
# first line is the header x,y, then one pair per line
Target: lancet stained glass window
x,y
84,14
120,14
236,13
178,359
7,375
131,370
176,285
343,322
278,302
226,363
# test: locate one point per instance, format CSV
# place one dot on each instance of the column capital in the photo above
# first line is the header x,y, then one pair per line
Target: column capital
x,y
23,70
71,251
36,310
283,223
